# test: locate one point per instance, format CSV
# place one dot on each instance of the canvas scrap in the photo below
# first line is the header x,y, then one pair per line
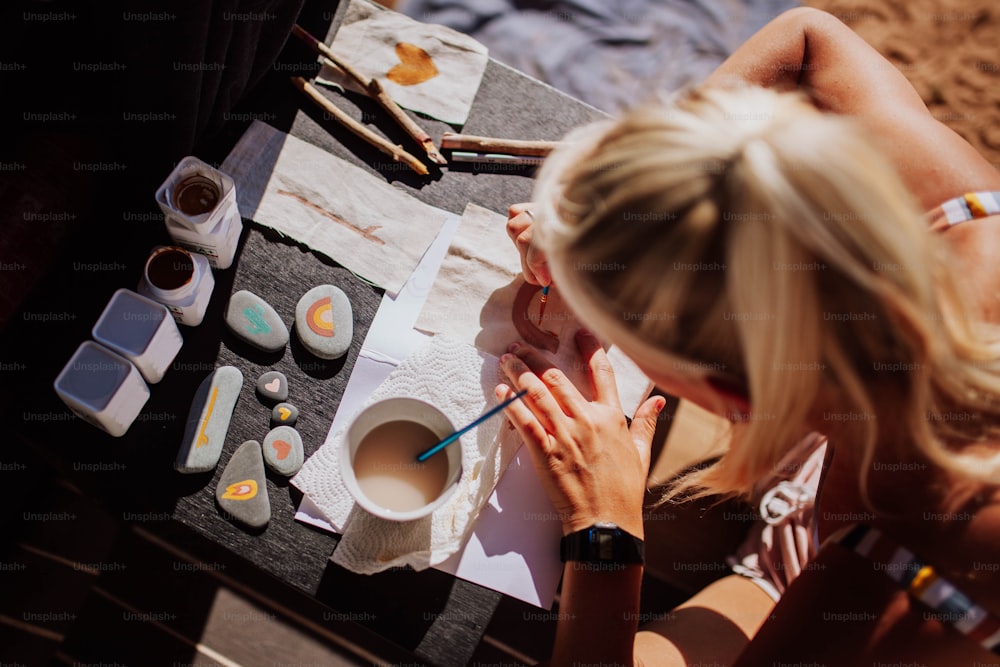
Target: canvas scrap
x,y
426,68
352,217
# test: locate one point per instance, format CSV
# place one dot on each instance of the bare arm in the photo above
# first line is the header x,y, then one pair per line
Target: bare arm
x,y
811,50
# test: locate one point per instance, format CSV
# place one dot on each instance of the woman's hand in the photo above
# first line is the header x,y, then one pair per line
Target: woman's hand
x,y
592,465
519,227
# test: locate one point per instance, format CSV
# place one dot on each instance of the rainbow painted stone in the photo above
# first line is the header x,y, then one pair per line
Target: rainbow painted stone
x,y
324,321
242,490
253,320
283,451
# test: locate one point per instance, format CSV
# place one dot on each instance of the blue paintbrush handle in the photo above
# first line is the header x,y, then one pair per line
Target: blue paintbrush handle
x,y
457,434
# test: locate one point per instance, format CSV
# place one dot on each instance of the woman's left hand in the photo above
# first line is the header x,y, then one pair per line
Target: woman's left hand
x,y
592,464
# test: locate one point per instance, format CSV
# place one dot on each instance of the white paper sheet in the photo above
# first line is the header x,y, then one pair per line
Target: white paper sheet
x,y
514,545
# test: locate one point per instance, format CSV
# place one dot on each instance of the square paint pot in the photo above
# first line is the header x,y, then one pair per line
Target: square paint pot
x,y
200,210
102,388
141,330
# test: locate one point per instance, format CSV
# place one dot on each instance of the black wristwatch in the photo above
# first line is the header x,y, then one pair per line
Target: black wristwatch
x,y
604,543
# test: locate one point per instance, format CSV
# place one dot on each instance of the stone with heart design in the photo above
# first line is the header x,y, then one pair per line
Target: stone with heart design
x,y
283,452
242,489
415,65
284,414
273,386
208,420
253,320
324,321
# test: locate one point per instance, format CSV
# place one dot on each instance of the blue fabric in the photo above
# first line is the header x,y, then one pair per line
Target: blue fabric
x,y
612,54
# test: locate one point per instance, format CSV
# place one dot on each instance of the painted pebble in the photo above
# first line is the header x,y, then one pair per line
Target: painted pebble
x,y
242,491
284,414
324,321
252,319
273,385
208,420
283,450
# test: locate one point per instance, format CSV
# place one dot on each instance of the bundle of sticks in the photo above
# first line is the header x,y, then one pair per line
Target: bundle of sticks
x,y
374,90
464,147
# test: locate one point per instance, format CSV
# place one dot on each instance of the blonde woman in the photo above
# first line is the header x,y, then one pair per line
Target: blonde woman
x,y
773,263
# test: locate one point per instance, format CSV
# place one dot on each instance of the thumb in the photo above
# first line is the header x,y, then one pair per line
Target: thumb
x,y
644,426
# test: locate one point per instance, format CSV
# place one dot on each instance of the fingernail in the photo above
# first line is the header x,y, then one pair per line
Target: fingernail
x,y
660,404
585,332
513,347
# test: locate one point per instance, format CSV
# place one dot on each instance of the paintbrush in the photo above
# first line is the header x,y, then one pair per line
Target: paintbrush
x,y
545,300
457,434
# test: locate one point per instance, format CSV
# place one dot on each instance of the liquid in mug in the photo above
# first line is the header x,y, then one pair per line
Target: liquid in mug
x,y
387,471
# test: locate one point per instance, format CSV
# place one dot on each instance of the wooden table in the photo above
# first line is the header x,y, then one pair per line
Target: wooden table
x,y
430,615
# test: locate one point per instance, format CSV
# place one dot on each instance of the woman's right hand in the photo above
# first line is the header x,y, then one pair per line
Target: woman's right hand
x,y
520,222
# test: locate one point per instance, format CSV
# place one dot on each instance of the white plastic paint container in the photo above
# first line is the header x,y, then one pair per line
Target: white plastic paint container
x,y
102,388
141,330
200,211
180,280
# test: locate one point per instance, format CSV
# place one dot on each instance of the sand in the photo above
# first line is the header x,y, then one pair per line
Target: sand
x,y
948,49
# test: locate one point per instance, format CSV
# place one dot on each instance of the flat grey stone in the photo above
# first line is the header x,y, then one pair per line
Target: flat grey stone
x,y
284,414
242,491
208,420
283,451
253,320
273,385
324,321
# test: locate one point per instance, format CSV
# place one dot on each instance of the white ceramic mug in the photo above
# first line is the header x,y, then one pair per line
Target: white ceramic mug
x,y
393,410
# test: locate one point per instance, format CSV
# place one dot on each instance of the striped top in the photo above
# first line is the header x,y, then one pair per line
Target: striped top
x,y
950,605
969,206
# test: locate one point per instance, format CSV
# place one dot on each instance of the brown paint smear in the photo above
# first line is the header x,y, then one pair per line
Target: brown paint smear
x,y
415,66
366,232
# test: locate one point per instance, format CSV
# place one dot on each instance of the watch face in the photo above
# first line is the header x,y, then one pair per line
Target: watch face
x,y
604,540
602,543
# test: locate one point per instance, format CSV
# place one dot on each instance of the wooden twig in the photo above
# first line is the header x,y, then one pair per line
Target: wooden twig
x,y
469,142
396,152
374,89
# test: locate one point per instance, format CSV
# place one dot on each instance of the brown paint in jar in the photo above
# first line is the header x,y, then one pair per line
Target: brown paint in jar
x,y
196,194
169,268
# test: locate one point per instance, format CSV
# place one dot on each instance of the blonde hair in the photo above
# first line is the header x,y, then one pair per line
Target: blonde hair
x,y
745,235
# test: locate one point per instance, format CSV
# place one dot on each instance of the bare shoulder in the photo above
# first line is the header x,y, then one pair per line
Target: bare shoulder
x,y
846,75
980,542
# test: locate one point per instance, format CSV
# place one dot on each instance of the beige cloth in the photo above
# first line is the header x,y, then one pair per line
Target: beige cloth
x,y
368,38
473,297
352,217
459,381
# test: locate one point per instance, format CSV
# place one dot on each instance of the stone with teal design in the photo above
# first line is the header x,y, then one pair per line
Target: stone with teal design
x,y
253,320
